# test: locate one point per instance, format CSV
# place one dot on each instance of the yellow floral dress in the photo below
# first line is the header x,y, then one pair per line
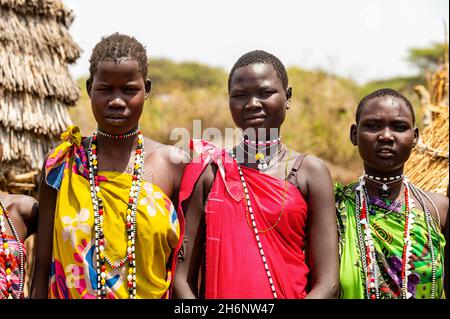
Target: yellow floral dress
x,y
74,264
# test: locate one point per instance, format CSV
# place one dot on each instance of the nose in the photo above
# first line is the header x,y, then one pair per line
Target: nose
x,y
253,103
386,135
117,102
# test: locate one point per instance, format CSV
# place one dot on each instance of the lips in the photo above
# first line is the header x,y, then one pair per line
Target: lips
x,y
116,116
386,152
254,117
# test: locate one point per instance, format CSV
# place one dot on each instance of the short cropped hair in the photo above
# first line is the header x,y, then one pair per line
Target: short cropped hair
x,y
382,93
260,56
118,47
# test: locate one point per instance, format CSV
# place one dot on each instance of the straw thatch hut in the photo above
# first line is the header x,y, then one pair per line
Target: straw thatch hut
x,y
36,87
428,166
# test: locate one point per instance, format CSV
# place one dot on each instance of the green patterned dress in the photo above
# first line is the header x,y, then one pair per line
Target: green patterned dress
x,y
387,232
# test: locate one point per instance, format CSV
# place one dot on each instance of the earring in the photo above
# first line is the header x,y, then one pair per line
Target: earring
x,y
288,104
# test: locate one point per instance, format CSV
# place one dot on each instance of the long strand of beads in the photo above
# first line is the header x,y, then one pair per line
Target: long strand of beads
x,y
418,194
100,241
255,230
7,256
358,200
374,283
407,245
369,250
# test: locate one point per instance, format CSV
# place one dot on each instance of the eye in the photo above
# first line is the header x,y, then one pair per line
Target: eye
x,y
400,127
266,94
131,89
372,126
103,88
237,95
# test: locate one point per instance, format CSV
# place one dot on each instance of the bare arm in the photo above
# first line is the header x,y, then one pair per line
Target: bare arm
x,y
47,204
442,205
322,241
187,274
29,210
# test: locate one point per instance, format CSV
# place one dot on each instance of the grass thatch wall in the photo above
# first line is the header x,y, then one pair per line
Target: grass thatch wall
x,y
36,87
428,166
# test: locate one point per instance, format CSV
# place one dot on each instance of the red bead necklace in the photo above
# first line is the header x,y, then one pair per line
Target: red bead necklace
x,y
367,246
100,241
7,256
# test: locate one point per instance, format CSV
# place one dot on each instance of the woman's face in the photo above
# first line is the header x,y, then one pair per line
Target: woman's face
x,y
117,93
385,134
257,98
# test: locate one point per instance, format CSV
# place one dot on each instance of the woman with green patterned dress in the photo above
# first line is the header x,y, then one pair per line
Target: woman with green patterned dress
x,y
391,241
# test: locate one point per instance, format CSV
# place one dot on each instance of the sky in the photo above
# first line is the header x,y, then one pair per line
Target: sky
x,y
359,39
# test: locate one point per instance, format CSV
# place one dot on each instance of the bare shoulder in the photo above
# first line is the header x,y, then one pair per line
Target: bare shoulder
x,y
442,204
25,206
169,154
313,175
314,165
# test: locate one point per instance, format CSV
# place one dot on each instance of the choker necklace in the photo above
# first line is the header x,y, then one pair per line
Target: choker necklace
x,y
262,143
100,241
384,182
120,136
261,159
255,229
7,256
366,245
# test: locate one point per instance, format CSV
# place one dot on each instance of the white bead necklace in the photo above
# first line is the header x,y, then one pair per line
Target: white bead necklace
x,y
255,229
100,241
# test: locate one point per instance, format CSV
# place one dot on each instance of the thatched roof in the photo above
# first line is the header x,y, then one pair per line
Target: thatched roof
x,y
36,87
428,166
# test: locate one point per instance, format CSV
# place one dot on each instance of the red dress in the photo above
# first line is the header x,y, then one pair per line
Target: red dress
x,y
234,268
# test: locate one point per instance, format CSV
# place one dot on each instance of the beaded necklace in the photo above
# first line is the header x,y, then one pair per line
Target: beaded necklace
x,y
262,143
118,137
6,255
100,241
260,156
261,159
366,245
385,182
249,211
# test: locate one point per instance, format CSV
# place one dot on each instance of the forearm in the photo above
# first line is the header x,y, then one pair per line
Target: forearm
x,y
324,291
39,286
183,290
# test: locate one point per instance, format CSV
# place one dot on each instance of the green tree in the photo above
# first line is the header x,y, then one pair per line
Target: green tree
x,y
427,58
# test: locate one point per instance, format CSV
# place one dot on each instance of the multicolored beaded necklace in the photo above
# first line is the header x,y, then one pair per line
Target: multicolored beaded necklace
x,y
366,245
6,255
117,137
100,241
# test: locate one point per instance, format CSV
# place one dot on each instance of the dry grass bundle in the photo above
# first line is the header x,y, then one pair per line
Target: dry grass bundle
x,y
428,166
36,87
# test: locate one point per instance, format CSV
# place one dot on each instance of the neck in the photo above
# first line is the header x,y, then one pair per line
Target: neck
x,y
113,146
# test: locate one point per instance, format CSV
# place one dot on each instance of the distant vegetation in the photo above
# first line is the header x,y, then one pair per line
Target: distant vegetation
x,y
318,122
